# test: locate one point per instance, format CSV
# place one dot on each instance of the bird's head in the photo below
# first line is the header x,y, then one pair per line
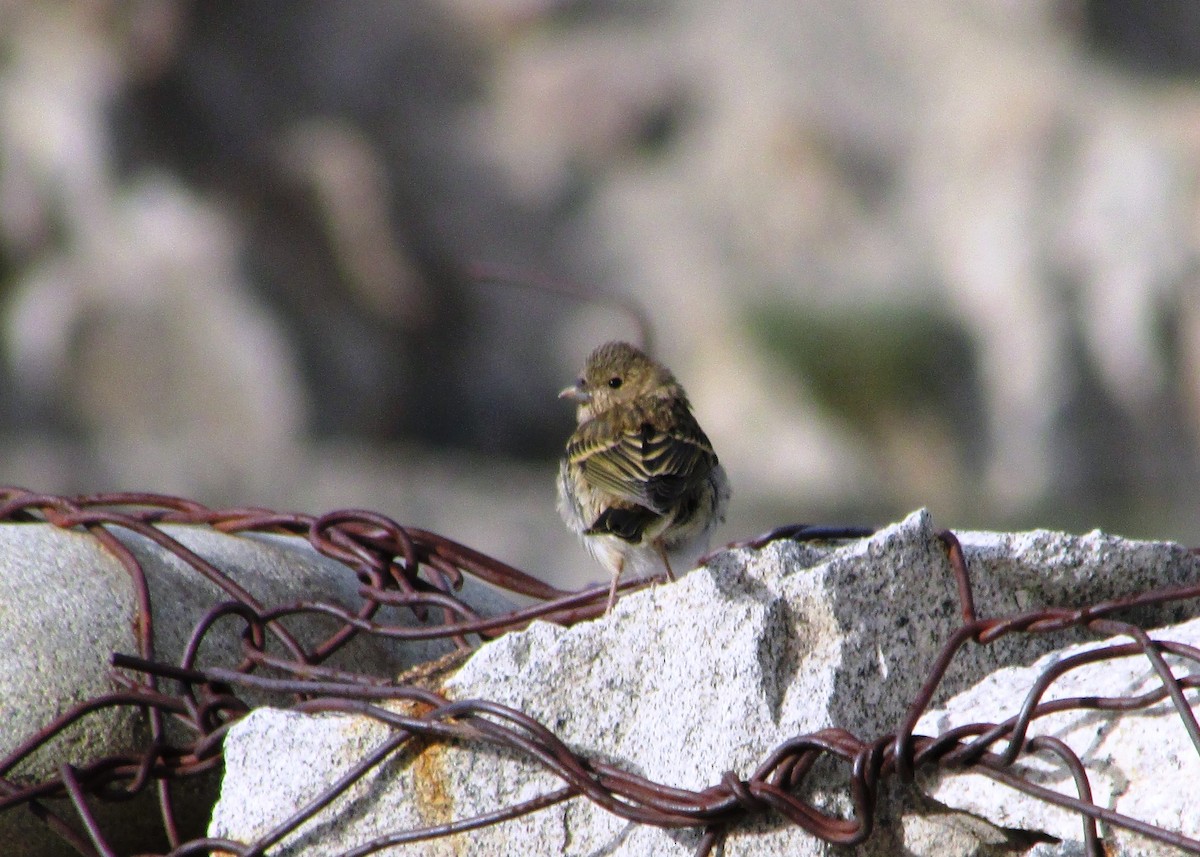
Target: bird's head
x,y
616,373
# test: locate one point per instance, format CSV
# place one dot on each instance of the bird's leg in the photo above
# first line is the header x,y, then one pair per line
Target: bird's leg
x,y
612,589
662,552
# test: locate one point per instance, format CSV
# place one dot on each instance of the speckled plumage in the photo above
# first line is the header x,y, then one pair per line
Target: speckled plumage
x,y
640,480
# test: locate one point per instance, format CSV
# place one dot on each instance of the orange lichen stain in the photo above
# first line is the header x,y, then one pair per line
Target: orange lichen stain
x,y
430,789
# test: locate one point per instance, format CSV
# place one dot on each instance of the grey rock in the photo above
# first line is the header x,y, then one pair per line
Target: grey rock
x,y
682,683
67,604
1142,766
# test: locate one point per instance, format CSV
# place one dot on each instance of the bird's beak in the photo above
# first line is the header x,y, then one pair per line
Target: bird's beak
x,y
576,394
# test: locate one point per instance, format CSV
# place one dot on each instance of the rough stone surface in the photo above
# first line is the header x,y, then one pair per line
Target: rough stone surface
x,y
67,604
1143,766
685,682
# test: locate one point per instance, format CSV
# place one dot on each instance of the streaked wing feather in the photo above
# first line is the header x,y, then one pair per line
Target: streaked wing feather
x,y
647,464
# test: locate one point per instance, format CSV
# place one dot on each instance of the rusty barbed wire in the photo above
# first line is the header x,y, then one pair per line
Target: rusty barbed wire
x,y
419,571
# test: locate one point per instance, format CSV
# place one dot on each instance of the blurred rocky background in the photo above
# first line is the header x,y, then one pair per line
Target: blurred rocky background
x,y
937,253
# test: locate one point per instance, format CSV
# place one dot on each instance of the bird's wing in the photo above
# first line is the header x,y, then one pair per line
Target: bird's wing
x,y
648,457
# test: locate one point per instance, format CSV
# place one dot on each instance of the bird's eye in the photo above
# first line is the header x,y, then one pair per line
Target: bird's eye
x,y
615,382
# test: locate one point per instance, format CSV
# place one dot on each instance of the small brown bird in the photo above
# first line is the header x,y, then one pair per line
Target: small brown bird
x,y
639,480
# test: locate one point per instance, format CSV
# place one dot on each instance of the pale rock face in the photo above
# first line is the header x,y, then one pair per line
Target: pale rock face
x,y
682,683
